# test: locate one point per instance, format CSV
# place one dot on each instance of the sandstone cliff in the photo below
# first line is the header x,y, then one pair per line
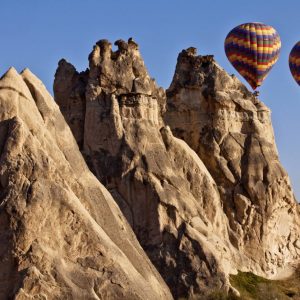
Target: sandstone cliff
x,y
62,235
198,215
231,131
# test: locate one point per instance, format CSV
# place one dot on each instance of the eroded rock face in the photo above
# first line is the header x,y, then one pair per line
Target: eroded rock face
x,y
71,98
61,234
199,214
160,184
231,131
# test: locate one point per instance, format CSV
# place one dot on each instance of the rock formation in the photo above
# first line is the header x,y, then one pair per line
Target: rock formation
x,y
205,203
74,92
62,235
231,131
162,187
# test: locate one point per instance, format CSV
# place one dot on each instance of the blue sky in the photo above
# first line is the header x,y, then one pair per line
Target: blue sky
x,y
36,34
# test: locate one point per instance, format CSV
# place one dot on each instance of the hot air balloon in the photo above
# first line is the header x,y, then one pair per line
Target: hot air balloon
x,y
253,48
294,62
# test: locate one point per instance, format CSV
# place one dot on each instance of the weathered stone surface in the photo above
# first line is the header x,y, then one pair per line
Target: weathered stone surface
x,y
231,131
61,234
71,97
198,215
161,185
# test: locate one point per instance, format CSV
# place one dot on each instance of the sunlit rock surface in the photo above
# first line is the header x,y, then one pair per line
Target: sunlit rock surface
x,y
62,236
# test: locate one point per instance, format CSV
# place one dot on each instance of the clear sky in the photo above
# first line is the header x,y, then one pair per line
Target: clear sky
x,y
36,34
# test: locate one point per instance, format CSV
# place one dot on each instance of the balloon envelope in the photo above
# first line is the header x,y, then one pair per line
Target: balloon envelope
x,y
294,62
253,49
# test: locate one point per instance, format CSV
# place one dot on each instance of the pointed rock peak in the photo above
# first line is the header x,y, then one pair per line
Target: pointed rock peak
x,y
28,76
32,80
39,92
103,49
27,72
64,63
103,43
122,71
12,80
132,43
65,69
122,45
192,52
194,70
10,73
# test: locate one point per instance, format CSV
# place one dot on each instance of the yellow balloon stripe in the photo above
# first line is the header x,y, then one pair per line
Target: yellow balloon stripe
x,y
251,62
253,78
242,43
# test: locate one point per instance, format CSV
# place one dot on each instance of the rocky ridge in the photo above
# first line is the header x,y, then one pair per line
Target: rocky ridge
x,y
62,234
162,187
204,202
231,131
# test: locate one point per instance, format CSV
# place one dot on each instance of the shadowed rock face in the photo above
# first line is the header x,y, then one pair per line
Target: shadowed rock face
x,y
61,234
199,214
74,92
231,131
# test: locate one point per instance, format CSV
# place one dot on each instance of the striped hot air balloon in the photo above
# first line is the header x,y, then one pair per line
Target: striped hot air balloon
x,y
294,62
253,48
